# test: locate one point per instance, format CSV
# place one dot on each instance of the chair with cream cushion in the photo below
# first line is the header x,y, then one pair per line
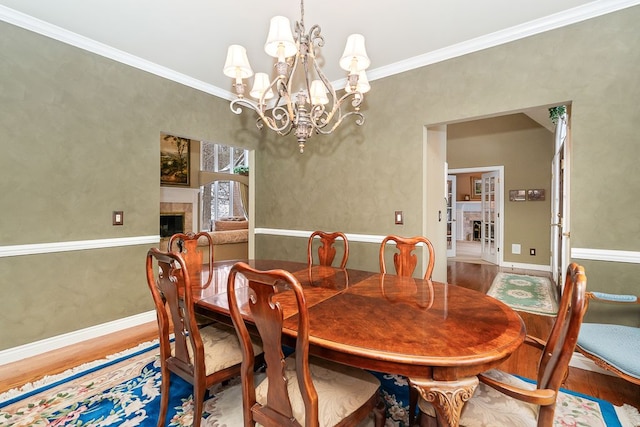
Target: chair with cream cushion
x,y
502,399
299,390
327,250
202,356
405,262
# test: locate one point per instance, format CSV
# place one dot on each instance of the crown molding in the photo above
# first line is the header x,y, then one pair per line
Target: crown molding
x,y
571,16
52,31
531,28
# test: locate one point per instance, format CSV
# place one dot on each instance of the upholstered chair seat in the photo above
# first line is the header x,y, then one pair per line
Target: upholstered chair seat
x,y
490,408
616,345
341,390
221,348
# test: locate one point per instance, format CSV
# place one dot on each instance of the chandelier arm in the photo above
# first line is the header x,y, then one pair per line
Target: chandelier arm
x,y
359,121
321,121
315,37
284,128
280,115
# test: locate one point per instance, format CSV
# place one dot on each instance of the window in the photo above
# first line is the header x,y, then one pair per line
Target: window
x,y
221,199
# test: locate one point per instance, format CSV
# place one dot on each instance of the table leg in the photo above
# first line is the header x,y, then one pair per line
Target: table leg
x,y
447,397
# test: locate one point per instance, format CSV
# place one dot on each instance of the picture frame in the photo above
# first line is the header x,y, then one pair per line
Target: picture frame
x,y
535,195
175,168
476,187
517,195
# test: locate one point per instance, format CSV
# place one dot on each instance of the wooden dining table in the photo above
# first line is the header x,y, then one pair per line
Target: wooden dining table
x,y
438,335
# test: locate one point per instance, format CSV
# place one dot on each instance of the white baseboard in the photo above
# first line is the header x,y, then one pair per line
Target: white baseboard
x,y
580,361
536,267
39,347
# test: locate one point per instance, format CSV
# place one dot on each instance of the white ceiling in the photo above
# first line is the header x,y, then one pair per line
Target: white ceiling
x,y
187,40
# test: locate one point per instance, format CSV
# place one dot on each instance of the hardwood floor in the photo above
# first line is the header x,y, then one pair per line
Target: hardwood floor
x,y
13,375
470,275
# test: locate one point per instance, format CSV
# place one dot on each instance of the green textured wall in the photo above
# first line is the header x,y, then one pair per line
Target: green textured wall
x,y
355,179
80,138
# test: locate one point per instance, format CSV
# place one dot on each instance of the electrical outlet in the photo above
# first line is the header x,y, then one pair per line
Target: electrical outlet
x,y
532,251
515,248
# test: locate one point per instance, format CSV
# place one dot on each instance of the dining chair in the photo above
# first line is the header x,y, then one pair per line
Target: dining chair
x,y
502,399
327,250
404,260
298,390
615,348
201,356
187,245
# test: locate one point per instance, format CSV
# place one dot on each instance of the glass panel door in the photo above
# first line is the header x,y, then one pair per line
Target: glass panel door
x,y
490,217
451,216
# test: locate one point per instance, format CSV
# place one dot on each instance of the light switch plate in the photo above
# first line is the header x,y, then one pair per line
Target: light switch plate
x,y
118,217
399,218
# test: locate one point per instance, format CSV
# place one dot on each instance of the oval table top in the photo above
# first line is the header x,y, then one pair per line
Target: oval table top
x,y
384,322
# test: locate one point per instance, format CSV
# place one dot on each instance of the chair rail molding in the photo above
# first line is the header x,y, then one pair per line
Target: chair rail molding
x,y
606,255
78,245
363,238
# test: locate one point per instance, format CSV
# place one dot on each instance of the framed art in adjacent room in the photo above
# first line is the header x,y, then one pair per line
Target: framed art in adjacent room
x,y
174,160
535,195
476,187
517,195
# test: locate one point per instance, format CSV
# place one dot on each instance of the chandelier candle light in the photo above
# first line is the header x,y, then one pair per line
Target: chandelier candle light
x,y
306,111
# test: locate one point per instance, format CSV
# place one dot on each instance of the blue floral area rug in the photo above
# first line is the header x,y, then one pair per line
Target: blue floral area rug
x,y
124,390
531,294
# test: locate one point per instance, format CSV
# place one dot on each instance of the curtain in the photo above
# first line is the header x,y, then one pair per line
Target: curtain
x,y
244,197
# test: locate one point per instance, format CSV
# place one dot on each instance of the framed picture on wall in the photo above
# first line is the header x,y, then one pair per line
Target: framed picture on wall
x,y
476,187
517,195
174,160
535,195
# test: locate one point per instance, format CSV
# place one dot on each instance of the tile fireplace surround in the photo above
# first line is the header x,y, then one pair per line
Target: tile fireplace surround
x,y
179,201
467,220
179,208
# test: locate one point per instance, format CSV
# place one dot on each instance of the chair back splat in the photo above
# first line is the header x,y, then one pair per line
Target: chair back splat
x,y
291,392
187,245
404,260
327,250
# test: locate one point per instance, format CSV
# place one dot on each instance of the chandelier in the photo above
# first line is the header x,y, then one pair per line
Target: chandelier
x,y
315,108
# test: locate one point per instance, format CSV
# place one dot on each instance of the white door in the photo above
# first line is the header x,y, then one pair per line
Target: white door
x,y
560,203
451,216
490,225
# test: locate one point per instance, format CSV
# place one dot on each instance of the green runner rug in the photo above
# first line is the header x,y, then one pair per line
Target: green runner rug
x,y
531,294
